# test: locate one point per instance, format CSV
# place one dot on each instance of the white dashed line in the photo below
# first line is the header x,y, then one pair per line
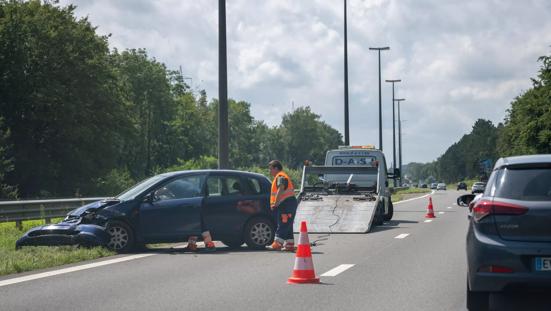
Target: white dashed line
x,y
440,213
404,201
401,236
71,269
449,207
428,220
337,270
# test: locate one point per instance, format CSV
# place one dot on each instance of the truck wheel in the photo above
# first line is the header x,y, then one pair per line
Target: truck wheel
x,y
259,233
122,237
390,211
379,215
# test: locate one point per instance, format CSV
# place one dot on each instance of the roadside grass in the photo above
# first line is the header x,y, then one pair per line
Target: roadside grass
x,y
38,257
401,194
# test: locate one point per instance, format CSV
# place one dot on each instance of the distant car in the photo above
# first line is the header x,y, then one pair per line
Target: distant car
x,y
433,185
478,187
170,207
508,236
441,186
423,186
461,186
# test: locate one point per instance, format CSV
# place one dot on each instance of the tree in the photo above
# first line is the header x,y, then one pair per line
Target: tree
x,y
6,164
59,97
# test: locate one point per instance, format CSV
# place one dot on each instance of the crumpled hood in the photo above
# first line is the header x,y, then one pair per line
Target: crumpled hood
x,y
92,207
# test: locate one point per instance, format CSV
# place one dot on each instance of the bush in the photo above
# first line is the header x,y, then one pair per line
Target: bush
x,y
115,182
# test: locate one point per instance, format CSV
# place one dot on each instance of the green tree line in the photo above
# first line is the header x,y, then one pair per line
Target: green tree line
x,y
77,118
525,130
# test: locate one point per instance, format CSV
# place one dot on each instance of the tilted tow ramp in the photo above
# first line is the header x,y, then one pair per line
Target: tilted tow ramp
x,y
337,199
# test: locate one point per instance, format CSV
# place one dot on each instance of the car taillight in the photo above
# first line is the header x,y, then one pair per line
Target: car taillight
x,y
495,269
484,208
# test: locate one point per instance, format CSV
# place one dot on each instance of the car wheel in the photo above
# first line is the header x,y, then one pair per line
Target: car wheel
x,y
388,216
477,301
122,237
259,233
234,244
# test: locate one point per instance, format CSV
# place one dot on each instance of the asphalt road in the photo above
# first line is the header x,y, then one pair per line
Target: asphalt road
x,y
423,270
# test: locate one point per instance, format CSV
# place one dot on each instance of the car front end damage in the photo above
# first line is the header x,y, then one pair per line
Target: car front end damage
x,y
83,226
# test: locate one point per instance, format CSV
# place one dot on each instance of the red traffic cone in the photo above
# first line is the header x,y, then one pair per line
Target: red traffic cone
x,y
303,271
430,211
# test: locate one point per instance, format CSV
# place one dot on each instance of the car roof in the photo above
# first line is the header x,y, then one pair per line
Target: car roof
x,y
525,159
169,174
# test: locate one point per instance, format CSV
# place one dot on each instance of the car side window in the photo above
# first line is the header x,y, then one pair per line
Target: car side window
x,y
180,188
253,185
214,186
233,184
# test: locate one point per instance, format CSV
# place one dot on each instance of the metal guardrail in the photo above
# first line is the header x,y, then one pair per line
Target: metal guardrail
x,y
19,211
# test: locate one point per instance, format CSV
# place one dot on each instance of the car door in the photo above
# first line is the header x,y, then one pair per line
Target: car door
x,y
229,203
174,210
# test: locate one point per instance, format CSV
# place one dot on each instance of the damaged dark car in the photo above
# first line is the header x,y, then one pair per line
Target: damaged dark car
x,y
167,208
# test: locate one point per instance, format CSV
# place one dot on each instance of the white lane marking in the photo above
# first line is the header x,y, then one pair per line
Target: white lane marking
x,y
404,201
428,220
71,269
401,236
440,213
449,207
337,270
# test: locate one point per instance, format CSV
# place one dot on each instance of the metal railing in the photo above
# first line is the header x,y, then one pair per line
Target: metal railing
x,y
18,211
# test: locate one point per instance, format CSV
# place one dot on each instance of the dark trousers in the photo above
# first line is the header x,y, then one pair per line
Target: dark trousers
x,y
284,230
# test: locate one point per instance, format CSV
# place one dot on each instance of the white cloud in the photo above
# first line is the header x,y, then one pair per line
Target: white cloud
x,y
458,60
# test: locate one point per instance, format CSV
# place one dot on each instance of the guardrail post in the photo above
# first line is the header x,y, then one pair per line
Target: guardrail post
x,y
19,224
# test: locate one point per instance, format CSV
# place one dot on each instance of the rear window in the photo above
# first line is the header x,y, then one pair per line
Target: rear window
x,y
527,184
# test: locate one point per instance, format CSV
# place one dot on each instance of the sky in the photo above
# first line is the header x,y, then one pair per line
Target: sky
x,y
458,60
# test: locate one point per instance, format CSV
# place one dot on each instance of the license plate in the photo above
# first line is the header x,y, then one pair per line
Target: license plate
x,y
543,263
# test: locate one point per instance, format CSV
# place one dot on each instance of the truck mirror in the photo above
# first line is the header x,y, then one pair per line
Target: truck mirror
x,y
396,172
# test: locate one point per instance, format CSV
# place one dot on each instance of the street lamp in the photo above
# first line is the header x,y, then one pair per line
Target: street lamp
x,y
380,105
223,127
346,132
393,130
400,138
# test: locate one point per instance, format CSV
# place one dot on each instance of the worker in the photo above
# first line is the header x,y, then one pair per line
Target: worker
x,y
207,239
284,203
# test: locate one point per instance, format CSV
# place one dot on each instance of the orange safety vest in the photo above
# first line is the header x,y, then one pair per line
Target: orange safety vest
x,y
287,193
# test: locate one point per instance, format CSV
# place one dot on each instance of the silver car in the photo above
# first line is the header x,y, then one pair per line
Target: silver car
x,y
509,235
478,187
441,186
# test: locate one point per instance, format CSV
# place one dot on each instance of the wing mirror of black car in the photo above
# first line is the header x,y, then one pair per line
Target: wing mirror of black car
x,y
465,199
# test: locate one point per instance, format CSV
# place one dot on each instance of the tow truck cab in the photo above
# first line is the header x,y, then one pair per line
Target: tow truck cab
x,y
368,156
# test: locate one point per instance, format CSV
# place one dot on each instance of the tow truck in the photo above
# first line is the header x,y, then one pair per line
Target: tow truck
x,y
349,194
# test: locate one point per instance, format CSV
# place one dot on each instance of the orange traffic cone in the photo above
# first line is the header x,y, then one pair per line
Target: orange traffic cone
x,y
430,211
303,271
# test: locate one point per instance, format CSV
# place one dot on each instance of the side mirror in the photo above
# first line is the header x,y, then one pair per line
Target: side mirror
x,y
386,183
396,172
465,199
149,198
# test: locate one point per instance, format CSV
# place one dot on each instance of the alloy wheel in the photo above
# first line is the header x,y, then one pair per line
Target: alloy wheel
x,y
119,238
261,233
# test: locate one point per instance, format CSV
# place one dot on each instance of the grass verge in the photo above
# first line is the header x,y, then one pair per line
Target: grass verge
x,y
401,194
38,257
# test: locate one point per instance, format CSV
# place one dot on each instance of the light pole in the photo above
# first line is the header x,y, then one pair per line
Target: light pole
x,y
346,132
400,138
380,104
393,130
223,127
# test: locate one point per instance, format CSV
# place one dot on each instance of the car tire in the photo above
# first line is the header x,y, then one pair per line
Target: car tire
x,y
259,232
233,244
477,301
388,216
122,237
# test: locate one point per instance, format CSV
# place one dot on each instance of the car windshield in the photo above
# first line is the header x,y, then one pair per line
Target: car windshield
x,y
139,188
527,184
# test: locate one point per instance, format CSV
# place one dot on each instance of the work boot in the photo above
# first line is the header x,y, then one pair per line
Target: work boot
x,y
191,247
210,247
289,246
276,246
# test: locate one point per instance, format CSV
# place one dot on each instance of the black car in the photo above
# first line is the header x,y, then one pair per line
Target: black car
x,y
234,206
509,236
461,186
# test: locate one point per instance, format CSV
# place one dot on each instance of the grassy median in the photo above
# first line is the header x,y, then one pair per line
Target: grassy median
x,y
38,257
408,193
